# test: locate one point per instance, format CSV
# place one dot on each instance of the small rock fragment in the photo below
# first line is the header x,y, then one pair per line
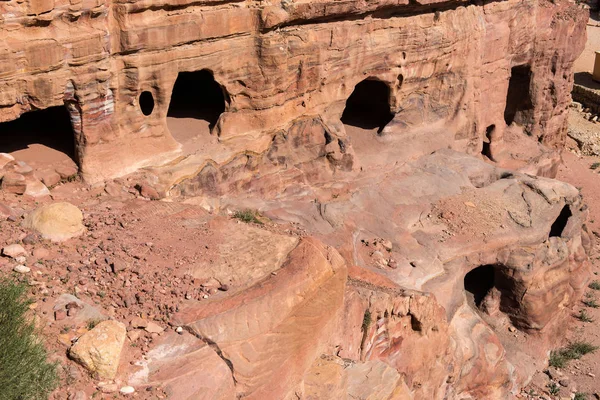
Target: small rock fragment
x,y
21,269
36,188
134,335
127,390
154,328
564,382
109,388
14,183
13,250
138,322
554,373
148,192
79,395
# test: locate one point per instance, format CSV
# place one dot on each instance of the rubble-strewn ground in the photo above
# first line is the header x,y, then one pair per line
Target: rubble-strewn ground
x,y
136,259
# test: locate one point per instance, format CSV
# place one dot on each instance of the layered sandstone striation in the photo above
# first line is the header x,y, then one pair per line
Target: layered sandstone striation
x,y
447,67
413,142
451,279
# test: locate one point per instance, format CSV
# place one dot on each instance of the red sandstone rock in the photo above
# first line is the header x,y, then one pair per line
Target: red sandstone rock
x,y
14,183
457,83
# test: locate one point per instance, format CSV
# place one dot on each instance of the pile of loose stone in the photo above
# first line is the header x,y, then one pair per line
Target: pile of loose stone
x,y
20,178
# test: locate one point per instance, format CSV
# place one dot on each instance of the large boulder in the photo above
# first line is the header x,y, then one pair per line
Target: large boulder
x,y
99,350
56,221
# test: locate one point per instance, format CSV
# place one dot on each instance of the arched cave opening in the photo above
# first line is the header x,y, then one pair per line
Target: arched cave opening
x,y
487,141
478,283
558,226
40,137
519,103
368,106
146,102
197,95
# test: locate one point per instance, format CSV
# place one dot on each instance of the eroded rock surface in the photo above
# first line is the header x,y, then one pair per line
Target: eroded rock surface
x,y
431,258
458,74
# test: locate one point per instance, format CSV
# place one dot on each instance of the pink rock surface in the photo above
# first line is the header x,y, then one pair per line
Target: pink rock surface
x,y
447,70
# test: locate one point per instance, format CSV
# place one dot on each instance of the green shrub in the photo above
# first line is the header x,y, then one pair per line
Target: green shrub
x,y
25,373
574,351
584,317
590,301
580,396
557,359
553,389
594,285
247,216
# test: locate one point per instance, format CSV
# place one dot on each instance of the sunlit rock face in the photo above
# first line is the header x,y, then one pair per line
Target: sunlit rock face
x,y
454,74
412,141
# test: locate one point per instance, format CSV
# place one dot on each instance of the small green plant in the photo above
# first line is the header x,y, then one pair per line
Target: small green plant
x,y
72,178
65,329
25,373
595,165
580,348
91,323
553,389
248,216
590,301
366,320
574,351
584,317
557,359
102,294
580,396
595,285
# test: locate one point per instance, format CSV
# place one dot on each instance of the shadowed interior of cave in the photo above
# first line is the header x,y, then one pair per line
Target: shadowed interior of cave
x,y
518,97
368,106
197,95
559,224
146,103
487,141
39,136
478,282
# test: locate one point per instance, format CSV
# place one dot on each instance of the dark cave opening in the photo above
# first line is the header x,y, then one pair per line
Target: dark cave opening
x,y
558,226
40,135
487,141
519,103
146,103
197,95
368,106
479,281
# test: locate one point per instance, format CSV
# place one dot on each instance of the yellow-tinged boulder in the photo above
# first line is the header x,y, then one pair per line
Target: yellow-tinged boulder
x,y
56,221
99,350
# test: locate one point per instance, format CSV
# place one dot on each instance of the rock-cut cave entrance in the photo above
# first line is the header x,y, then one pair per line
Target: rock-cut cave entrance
x,y
197,102
519,104
559,225
368,106
478,283
43,139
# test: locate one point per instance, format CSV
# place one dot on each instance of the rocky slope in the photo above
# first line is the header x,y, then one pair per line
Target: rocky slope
x,y
370,216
